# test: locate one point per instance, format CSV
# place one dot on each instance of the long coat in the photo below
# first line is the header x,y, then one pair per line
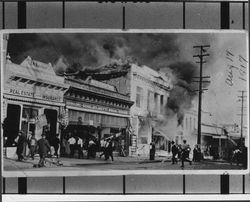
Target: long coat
x,y
43,147
21,143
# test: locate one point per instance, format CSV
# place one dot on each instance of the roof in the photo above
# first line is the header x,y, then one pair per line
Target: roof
x,y
35,70
211,130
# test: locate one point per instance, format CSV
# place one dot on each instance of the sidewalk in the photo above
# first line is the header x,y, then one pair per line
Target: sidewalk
x,y
13,164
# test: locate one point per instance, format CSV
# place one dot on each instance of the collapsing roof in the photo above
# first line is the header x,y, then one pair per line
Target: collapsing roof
x,y
106,72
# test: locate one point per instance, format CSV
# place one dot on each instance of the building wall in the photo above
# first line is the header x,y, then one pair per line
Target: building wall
x,y
149,92
147,104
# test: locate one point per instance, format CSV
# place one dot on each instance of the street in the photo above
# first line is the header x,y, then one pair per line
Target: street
x,y
119,163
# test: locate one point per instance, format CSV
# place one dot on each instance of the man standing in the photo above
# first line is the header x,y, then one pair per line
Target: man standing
x,y
56,144
21,143
43,149
185,149
79,145
33,144
152,151
174,152
72,142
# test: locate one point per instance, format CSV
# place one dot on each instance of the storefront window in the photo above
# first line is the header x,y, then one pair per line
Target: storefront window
x,y
29,113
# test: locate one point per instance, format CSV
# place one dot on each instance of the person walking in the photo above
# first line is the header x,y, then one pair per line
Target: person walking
x,y
43,149
21,143
103,144
109,150
174,152
185,153
56,144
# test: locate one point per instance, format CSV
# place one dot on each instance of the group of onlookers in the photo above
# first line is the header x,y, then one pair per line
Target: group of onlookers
x,y
28,146
73,145
182,152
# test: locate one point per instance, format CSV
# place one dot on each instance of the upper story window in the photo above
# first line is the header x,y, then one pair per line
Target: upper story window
x,y
150,101
139,96
162,104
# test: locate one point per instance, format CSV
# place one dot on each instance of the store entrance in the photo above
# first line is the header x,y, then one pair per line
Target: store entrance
x,y
51,116
11,124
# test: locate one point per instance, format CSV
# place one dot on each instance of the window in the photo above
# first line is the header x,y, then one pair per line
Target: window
x,y
162,104
138,96
190,119
29,113
150,100
156,101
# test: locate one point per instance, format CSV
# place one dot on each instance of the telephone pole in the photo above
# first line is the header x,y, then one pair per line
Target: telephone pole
x,y
242,96
201,55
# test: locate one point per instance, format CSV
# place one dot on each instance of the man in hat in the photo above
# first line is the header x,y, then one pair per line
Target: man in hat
x,y
174,152
21,143
43,149
185,150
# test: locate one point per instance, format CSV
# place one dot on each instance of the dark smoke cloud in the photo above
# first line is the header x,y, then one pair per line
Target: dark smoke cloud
x,y
183,91
72,52
92,50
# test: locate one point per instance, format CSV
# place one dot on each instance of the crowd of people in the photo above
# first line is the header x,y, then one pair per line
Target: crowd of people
x,y
182,153
72,146
28,146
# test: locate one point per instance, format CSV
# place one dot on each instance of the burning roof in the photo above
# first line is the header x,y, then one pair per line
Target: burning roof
x,y
105,72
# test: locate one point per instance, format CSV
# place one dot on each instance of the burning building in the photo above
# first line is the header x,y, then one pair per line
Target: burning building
x,y
149,90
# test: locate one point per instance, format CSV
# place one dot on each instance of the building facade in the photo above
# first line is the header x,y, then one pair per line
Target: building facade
x,y
32,99
97,110
149,90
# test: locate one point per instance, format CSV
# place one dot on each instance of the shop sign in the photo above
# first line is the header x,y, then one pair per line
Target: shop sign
x,y
99,108
27,93
64,116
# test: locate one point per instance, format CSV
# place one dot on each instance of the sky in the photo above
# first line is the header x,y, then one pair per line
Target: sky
x,y
227,63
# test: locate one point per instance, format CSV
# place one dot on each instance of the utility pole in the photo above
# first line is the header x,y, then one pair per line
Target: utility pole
x,y
201,55
242,96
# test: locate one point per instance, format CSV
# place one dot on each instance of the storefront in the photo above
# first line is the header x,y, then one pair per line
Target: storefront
x,y
96,110
32,99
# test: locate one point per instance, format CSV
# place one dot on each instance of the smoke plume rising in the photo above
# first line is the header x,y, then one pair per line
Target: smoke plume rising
x,y
70,52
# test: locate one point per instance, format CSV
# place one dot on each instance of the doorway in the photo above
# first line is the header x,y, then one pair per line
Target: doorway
x,y
51,116
11,124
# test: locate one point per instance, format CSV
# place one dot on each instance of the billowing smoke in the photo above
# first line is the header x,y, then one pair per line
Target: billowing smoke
x,y
184,88
71,52
91,50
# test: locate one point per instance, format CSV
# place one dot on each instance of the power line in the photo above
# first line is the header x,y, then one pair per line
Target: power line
x,y
242,96
201,55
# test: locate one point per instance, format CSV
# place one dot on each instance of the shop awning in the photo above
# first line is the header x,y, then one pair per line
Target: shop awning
x,y
96,119
220,137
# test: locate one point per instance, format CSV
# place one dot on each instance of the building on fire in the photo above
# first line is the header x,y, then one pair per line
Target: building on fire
x,y
149,90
